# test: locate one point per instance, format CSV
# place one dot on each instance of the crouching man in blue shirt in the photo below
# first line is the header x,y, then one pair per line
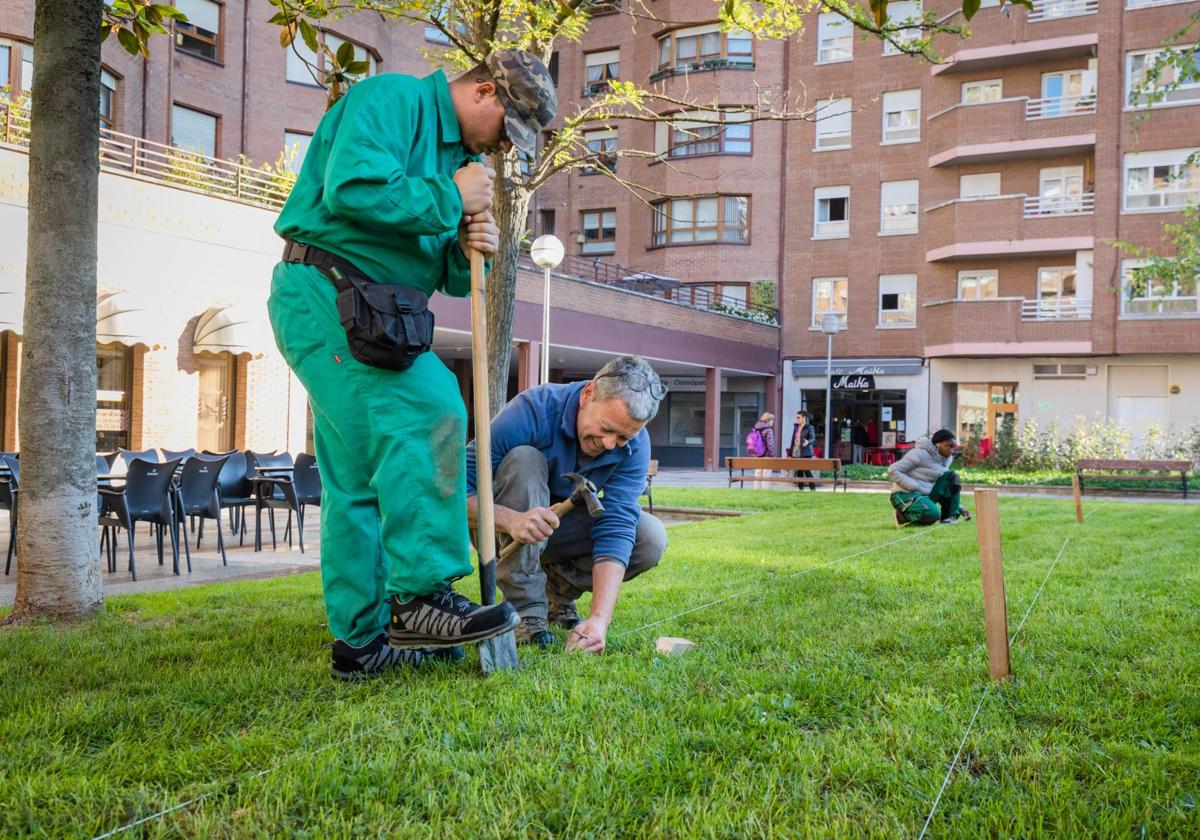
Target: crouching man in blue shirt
x,y
597,429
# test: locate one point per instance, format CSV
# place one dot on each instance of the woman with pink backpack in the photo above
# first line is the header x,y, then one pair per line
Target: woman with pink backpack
x,y
760,442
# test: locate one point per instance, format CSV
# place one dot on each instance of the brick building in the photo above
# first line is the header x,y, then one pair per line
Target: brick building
x,y
954,217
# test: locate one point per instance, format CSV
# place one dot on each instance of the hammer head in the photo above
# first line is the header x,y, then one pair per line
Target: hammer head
x,y
585,493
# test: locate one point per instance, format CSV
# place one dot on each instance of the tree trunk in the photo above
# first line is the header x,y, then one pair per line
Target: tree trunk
x,y
58,556
510,206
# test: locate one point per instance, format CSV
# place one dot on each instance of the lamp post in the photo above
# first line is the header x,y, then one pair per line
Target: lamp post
x,y
830,325
547,252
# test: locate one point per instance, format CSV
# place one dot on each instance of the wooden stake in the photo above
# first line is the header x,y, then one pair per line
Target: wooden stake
x,y
1078,499
991,563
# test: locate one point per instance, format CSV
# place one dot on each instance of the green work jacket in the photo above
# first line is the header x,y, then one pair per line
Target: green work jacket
x,y
376,187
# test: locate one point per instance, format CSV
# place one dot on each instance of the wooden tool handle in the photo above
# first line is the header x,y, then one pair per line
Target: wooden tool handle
x,y
560,510
486,538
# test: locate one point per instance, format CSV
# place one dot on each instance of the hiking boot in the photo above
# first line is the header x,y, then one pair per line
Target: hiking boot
x,y
900,523
949,520
564,615
352,663
446,618
534,631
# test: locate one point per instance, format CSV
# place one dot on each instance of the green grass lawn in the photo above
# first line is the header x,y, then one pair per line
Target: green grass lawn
x,y
827,697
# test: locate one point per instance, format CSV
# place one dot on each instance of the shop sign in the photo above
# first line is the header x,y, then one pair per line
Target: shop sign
x,y
852,382
865,367
683,383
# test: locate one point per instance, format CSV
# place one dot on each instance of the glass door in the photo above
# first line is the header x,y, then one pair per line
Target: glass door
x,y
1061,189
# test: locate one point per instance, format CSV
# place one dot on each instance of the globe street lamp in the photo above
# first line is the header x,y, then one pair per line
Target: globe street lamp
x,y
547,252
830,325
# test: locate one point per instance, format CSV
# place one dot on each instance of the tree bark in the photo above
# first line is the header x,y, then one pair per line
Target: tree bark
x,y
511,205
57,548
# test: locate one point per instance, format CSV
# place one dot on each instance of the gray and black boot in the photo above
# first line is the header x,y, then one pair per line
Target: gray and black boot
x,y
446,618
352,663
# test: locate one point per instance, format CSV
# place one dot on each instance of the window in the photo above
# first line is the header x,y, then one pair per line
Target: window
x,y
193,130
295,148
829,297
5,60
545,222
981,185
26,77
1148,295
735,293
114,381
898,206
361,53
835,39
1137,64
215,413
1060,189
899,14
108,99
16,66
902,116
1160,180
897,300
201,34
831,216
682,221
978,284
709,133
989,90
305,67
602,67
1056,284
1068,92
705,47
600,231
833,123
601,144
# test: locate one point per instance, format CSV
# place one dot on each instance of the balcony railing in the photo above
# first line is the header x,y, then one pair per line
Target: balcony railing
x,y
168,164
1146,4
700,66
666,288
1060,106
1054,9
1056,309
1037,206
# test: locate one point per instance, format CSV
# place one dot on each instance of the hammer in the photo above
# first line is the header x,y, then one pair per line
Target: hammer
x,y
584,492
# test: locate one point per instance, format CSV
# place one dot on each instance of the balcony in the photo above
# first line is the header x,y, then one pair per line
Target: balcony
x,y
1014,224
998,327
1016,128
1021,52
710,64
1056,309
1060,106
1057,9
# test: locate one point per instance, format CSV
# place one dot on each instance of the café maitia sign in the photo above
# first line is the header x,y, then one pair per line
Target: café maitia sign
x,y
856,374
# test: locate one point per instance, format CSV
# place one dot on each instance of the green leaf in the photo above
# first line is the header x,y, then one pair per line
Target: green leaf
x,y
309,33
279,18
170,12
879,7
128,41
358,68
970,7
345,54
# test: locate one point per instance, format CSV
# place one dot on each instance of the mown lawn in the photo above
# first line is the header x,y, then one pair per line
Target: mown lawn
x,y
828,695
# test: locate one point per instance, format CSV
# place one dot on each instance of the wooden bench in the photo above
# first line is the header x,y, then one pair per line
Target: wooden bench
x,y
648,491
788,465
1127,470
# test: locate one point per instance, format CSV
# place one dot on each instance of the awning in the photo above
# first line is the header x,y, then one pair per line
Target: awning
x,y
233,329
129,318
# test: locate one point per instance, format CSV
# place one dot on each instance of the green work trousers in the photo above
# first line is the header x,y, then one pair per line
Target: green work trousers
x,y
391,447
941,503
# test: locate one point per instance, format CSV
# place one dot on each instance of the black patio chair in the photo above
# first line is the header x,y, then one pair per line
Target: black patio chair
x,y
146,496
8,501
199,498
234,490
307,481
123,457
272,491
182,454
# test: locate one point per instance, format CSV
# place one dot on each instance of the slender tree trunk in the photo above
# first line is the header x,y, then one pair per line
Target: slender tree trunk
x,y
58,556
511,206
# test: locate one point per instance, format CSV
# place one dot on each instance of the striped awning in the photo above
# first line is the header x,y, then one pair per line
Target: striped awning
x,y
233,329
129,318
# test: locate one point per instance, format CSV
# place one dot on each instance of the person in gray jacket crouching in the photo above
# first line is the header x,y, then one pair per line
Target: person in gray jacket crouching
x,y
924,488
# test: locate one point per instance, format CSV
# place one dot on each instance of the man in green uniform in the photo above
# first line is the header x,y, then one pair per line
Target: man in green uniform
x,y
391,192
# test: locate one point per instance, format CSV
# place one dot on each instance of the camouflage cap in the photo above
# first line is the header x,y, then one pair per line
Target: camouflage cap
x,y
526,91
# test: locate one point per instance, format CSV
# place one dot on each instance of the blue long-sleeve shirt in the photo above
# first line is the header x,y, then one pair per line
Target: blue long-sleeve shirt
x,y
545,418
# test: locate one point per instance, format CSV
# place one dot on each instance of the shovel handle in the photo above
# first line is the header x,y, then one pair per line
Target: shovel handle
x,y
486,538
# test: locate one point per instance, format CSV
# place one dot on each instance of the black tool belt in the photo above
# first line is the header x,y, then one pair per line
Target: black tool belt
x,y
387,326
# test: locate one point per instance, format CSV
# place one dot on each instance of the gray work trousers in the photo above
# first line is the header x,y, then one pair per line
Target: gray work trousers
x,y
560,568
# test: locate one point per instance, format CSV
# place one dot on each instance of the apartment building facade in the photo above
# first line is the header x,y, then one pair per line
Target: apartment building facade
x,y
957,218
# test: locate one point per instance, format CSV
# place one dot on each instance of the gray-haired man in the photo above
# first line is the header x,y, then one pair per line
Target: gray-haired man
x,y
595,428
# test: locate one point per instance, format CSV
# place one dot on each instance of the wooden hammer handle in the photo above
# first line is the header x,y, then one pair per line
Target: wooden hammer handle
x,y
560,510
486,539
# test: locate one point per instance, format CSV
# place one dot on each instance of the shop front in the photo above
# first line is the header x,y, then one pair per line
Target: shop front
x,y
875,404
677,432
